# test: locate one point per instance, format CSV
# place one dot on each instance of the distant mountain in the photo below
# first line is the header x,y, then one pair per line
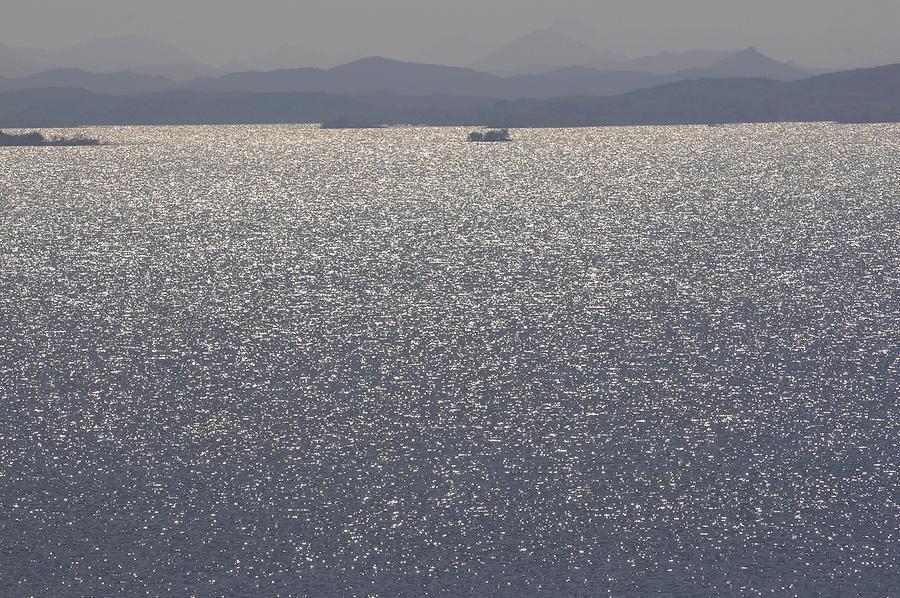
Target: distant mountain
x,y
65,107
17,62
463,49
538,51
36,107
381,75
666,62
106,55
748,63
581,32
842,47
454,51
362,76
109,83
579,80
371,75
294,56
110,54
865,95
716,64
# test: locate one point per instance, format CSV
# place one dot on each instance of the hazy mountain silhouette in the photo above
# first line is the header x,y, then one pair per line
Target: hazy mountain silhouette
x,y
66,107
361,76
698,64
467,50
748,63
538,51
580,80
454,51
843,47
111,83
582,32
862,95
17,62
106,55
110,54
865,95
665,62
381,75
372,75
293,56
392,76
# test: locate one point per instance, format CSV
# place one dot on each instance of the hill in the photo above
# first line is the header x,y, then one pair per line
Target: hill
x,y
864,95
67,107
368,75
664,63
748,63
112,83
381,75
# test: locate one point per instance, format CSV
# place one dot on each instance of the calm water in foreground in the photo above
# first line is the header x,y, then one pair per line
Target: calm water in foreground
x,y
261,360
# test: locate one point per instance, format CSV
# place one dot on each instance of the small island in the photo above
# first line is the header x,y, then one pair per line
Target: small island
x,y
35,139
490,136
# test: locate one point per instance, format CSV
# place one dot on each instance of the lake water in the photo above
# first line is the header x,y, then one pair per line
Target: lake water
x,y
281,360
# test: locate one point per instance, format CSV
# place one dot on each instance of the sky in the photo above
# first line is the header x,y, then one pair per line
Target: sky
x,y
816,32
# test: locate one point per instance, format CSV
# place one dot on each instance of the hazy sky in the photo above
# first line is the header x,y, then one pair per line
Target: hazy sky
x,y
217,31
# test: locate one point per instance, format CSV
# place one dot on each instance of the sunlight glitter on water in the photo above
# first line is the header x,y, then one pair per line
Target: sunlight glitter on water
x,y
242,360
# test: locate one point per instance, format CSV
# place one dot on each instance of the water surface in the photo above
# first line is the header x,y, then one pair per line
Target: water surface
x,y
281,360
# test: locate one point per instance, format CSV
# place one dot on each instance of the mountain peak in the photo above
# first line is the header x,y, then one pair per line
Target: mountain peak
x,y
753,63
367,61
541,50
752,53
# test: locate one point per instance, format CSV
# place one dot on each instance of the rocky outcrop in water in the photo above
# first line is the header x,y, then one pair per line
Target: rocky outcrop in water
x,y
35,139
491,136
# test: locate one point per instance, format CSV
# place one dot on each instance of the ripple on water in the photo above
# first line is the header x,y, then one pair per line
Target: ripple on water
x,y
243,360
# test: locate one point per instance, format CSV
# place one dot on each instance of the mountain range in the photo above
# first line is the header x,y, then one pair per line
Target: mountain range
x,y
551,77
863,95
562,45
104,55
664,62
542,50
381,75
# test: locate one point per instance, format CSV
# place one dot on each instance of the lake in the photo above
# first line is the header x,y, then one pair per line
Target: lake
x,y
278,360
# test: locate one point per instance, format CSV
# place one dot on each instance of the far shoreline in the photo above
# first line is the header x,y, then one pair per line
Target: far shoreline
x,y
317,126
